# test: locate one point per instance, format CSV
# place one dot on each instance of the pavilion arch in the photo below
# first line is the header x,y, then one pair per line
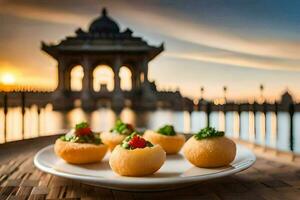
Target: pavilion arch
x,y
76,78
103,75
125,75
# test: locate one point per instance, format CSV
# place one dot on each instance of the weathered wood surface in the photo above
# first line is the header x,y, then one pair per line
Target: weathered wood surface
x,y
267,179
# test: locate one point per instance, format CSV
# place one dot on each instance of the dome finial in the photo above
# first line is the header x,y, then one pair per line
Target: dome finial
x,y
104,24
104,12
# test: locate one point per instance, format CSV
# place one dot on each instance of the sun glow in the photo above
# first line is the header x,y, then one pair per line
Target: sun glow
x,y
103,75
125,76
8,79
76,78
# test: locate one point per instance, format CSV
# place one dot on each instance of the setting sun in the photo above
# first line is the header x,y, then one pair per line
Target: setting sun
x,y
8,79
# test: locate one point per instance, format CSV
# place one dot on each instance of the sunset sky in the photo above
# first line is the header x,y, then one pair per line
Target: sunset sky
x,y
210,43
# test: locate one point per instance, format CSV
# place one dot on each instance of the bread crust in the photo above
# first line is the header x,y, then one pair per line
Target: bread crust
x,y
210,152
112,139
79,153
137,162
171,144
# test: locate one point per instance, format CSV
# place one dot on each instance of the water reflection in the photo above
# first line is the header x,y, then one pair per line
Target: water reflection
x,y
102,119
256,127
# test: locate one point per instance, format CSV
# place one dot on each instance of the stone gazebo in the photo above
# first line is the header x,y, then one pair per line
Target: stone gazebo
x,y
104,43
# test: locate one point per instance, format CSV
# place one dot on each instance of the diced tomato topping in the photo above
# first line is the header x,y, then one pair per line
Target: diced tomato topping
x,y
83,131
137,142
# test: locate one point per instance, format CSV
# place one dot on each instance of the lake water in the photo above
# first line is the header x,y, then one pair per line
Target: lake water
x,y
50,122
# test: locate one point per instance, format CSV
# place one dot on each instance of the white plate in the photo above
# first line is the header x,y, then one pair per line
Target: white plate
x,y
176,171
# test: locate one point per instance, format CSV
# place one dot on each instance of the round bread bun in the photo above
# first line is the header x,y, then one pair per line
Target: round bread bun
x,y
79,153
210,152
112,139
171,144
137,162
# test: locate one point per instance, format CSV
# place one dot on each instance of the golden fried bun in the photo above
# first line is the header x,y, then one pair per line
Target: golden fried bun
x,y
137,162
171,144
210,152
112,139
79,153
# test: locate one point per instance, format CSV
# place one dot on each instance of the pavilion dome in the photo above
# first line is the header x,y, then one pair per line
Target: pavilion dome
x,y
104,24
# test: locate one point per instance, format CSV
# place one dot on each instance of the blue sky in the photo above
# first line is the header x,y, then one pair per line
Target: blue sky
x,y
210,43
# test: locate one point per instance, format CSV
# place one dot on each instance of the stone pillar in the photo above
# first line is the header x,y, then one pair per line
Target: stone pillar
x,y
145,69
149,96
118,97
87,101
59,97
136,75
137,78
61,67
133,80
116,68
87,82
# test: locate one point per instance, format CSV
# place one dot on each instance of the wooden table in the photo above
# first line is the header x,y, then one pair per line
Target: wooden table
x,y
19,179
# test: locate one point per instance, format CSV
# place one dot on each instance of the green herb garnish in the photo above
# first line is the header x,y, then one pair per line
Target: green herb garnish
x,y
122,128
82,134
167,130
81,125
90,139
208,132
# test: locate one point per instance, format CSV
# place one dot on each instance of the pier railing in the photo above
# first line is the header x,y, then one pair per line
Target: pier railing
x,y
286,105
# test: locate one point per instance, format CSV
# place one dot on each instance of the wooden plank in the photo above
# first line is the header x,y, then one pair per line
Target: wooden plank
x,y
24,191
40,190
37,197
267,179
53,192
7,191
121,195
74,190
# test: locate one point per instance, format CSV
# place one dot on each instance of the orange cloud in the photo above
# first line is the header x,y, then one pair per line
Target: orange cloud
x,y
239,61
42,14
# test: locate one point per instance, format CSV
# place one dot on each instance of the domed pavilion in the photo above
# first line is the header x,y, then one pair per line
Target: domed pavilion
x,y
104,43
